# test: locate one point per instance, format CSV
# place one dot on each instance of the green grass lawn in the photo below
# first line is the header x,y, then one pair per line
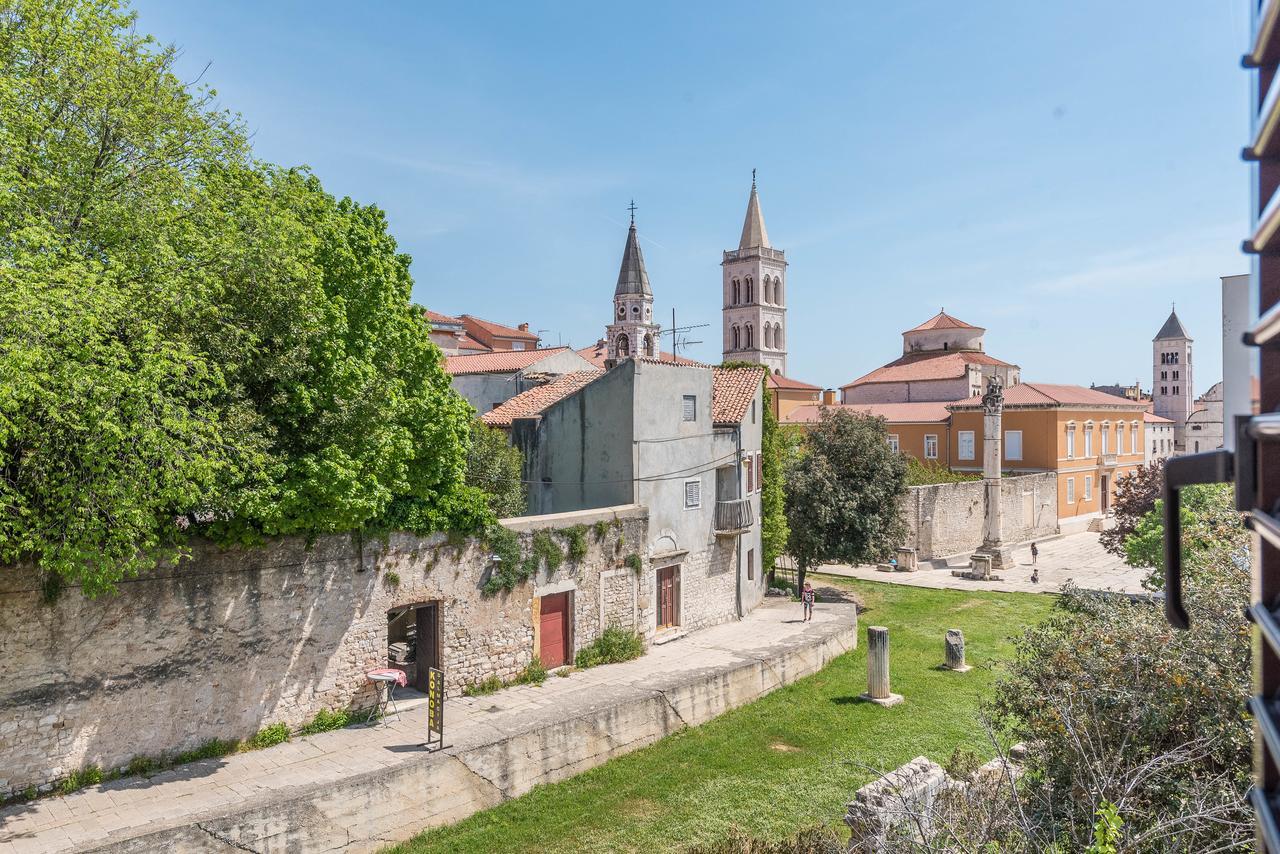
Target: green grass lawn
x,y
788,761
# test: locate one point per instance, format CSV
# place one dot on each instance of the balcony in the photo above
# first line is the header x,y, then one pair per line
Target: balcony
x,y
733,517
1107,460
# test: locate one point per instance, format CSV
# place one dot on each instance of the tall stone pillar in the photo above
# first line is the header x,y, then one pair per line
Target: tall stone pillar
x,y
992,528
878,668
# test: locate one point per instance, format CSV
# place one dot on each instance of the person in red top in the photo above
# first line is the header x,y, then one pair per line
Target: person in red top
x,y
807,597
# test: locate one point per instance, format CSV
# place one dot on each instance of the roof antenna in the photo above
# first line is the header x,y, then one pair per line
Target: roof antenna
x,y
632,207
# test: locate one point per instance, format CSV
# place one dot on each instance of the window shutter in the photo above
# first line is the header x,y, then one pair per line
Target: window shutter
x,y
690,408
692,493
759,471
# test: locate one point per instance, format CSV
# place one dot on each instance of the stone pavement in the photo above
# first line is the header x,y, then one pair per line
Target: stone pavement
x,y
361,787
1076,557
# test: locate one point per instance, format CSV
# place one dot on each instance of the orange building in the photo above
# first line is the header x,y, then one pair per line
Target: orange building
x,y
1089,438
920,430
788,394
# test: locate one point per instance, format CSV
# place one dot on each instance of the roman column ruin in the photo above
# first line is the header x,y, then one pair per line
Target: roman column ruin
x,y
993,544
954,642
878,668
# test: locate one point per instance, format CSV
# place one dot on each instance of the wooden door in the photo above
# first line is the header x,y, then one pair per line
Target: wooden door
x,y
427,652
1106,493
668,596
554,643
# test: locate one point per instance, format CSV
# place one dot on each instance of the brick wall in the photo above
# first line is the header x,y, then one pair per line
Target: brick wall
x,y
946,518
239,638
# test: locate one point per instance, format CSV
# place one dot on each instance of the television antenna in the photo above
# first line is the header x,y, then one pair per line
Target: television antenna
x,y
678,337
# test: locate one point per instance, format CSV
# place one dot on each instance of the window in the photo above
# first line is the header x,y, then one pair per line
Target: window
x,y
1013,444
692,494
1197,448
750,335
747,470
1175,390
1071,490
965,445
737,292
1133,438
1164,389
751,564
750,289
768,335
1106,439
777,336
737,338
1175,375
753,412
1120,437
893,442
759,471
624,347
517,345
1071,441
690,408
1164,375
931,447
1088,487
1088,439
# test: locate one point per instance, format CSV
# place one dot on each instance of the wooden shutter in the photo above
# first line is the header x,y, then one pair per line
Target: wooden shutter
x,y
692,493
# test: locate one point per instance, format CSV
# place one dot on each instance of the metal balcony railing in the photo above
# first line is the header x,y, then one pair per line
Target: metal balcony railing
x,y
734,516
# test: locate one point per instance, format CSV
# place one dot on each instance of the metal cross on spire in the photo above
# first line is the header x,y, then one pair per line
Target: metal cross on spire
x,y
632,207
753,179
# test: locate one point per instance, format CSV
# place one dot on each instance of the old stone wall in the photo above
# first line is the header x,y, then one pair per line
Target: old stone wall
x,y
237,638
946,518
707,580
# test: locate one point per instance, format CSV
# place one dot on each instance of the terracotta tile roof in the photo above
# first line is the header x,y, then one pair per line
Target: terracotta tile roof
x,y
599,351
466,342
482,329
894,413
536,400
497,362
779,381
915,367
1152,418
438,319
942,320
732,390
1049,394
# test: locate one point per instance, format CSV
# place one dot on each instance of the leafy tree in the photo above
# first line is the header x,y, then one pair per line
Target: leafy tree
x,y
494,466
923,474
773,499
1210,523
1136,495
189,339
843,492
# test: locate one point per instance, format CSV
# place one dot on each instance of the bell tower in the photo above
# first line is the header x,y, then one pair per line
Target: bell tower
x,y
754,278
632,332
1171,391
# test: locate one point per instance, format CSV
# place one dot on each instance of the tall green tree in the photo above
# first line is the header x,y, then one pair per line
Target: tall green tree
x,y
495,466
774,447
191,340
1136,496
843,492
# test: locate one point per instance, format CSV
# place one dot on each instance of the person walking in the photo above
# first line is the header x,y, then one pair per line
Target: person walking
x,y
1035,553
807,597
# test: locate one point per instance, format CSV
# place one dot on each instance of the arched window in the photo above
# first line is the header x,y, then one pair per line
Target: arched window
x,y
750,290
768,330
737,292
624,347
777,329
750,329
777,291
768,292
737,338
648,346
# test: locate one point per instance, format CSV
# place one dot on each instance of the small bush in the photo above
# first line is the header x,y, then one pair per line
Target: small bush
x,y
545,547
577,539
486,686
326,720
77,780
534,674
269,736
620,544
29,793
601,530
613,645
633,560
509,569
211,749
392,578
963,764
565,672
143,766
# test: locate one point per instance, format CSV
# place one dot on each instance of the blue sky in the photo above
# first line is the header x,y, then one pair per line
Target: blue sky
x,y
1055,172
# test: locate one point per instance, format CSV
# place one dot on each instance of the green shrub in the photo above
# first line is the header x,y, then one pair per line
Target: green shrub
x,y
924,474
545,547
633,560
77,780
620,544
269,735
534,674
326,720
509,570
392,578
29,793
577,539
613,645
601,530
143,766
211,749
485,686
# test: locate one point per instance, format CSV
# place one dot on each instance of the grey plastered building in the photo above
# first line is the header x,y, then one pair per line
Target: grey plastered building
x,y
684,442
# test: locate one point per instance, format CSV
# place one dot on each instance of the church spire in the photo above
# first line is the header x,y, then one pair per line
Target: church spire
x,y
753,230
632,278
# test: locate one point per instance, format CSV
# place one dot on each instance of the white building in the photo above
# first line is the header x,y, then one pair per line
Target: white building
x,y
1205,426
1160,438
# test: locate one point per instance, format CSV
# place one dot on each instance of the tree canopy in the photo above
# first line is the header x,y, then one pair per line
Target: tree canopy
x,y
192,340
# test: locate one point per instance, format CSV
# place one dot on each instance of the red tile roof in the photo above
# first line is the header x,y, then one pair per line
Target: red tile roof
x,y
894,413
942,320
466,342
732,390
781,382
1152,418
482,329
915,367
599,351
537,399
437,319
497,362
1049,394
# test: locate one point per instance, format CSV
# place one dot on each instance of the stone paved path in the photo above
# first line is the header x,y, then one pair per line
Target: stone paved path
x,y
130,807
1078,557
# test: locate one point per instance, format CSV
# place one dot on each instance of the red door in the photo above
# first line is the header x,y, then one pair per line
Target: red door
x,y
553,646
668,596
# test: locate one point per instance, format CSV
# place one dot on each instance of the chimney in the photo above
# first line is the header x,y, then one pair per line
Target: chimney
x,y
524,327
828,397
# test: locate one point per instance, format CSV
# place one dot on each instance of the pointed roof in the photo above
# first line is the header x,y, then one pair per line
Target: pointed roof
x,y
753,230
942,320
1172,328
632,278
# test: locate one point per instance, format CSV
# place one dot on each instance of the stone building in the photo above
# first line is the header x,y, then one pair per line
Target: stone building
x,y
754,285
1172,391
487,380
1204,427
943,359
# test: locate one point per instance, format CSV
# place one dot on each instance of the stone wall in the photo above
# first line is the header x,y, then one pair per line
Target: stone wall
x,y
707,581
946,518
238,638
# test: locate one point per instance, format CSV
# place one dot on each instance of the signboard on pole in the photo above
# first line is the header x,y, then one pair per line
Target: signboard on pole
x,y
435,708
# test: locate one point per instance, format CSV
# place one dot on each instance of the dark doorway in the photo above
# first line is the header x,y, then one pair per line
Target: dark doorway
x,y
554,643
1106,493
668,596
428,643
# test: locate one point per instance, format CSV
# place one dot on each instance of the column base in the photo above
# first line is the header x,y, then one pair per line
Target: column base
x,y
964,668
891,700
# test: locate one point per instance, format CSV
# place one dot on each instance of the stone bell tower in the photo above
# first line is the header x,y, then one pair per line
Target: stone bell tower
x,y
633,331
754,281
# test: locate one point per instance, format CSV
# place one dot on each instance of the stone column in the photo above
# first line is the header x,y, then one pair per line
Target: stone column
x,y
878,668
992,527
955,651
